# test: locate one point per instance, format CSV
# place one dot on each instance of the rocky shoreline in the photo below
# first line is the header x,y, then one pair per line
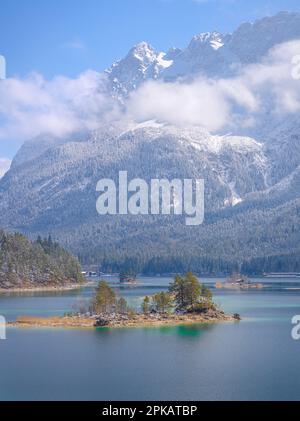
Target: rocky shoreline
x,y
122,320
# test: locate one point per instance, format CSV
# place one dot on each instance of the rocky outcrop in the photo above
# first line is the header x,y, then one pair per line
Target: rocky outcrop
x,y
159,319
126,320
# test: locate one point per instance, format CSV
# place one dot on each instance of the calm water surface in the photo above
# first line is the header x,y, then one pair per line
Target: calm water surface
x,y
254,359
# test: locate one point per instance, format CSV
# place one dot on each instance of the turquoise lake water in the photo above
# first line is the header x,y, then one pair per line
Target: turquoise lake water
x,y
255,359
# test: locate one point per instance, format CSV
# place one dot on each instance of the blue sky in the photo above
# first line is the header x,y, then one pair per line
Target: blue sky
x,y
69,36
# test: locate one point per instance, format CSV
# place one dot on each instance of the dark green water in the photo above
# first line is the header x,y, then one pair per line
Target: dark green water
x,y
255,359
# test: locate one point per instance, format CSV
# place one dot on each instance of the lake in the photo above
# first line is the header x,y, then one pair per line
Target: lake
x,y
255,359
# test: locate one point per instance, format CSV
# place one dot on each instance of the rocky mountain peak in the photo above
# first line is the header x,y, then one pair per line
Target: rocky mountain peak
x,y
143,52
211,39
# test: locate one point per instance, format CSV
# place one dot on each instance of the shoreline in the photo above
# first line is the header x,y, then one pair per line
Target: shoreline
x,y
121,321
49,288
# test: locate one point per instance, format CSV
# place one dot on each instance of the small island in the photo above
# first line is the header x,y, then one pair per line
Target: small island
x,y
128,278
238,281
187,301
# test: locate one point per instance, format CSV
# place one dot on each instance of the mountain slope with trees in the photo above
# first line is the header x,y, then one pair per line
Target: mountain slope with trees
x,y
251,176
38,264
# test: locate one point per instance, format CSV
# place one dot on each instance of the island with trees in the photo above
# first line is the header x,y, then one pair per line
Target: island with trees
x,y
186,301
238,281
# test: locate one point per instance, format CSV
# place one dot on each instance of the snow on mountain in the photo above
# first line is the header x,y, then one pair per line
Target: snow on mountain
x,y
252,41
64,173
209,53
141,63
4,166
50,186
206,39
214,54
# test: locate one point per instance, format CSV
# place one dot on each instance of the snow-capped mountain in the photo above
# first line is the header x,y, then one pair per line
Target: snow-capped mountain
x,y
212,53
206,54
57,188
251,41
141,63
251,181
232,166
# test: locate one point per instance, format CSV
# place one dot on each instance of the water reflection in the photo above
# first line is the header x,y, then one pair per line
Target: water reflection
x,y
186,330
192,330
253,359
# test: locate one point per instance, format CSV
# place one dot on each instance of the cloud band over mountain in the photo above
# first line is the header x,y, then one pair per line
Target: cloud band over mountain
x,y
33,105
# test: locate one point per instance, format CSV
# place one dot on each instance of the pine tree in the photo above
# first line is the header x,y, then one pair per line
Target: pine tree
x,y
146,305
178,289
193,289
105,298
162,302
187,291
122,306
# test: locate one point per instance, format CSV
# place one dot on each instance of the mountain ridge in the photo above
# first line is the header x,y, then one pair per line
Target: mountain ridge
x,y
251,180
210,53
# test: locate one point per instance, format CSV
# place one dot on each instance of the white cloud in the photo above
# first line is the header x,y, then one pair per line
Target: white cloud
x,y
61,106
33,105
224,103
199,103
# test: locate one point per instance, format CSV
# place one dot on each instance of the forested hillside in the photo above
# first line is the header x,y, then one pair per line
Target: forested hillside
x,y
25,264
251,168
